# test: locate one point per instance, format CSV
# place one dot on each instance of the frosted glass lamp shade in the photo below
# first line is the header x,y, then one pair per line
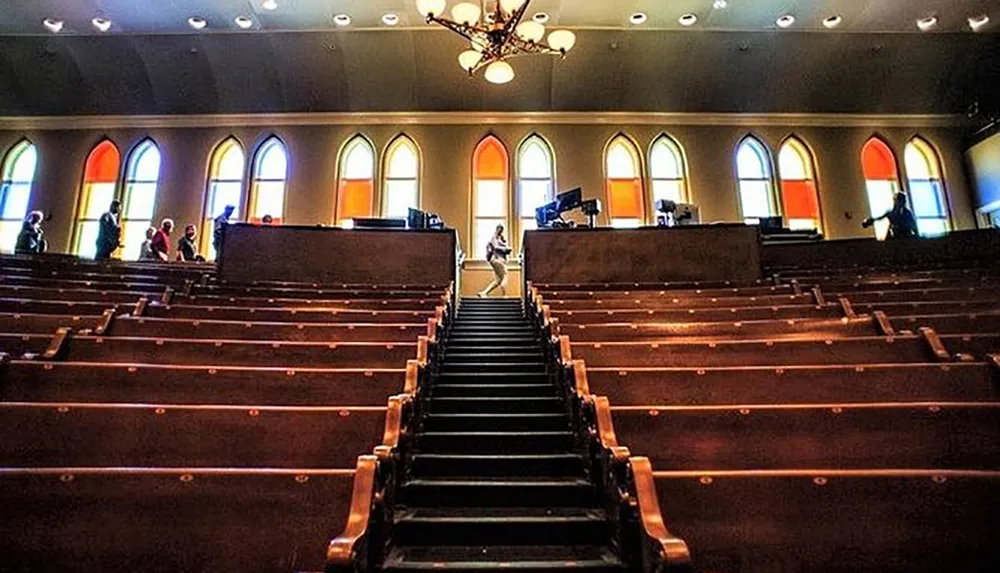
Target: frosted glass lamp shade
x,y
511,6
562,40
465,13
469,59
431,7
531,31
499,73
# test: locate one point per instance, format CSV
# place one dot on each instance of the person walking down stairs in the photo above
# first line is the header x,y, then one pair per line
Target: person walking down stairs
x,y
497,252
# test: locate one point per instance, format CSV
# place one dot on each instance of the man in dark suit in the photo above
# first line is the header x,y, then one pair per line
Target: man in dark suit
x,y
109,232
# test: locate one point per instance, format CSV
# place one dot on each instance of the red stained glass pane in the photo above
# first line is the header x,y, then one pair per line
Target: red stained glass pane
x,y
103,164
800,199
491,159
878,161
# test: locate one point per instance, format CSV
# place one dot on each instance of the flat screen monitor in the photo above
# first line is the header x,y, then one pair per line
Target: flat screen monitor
x,y
379,223
569,200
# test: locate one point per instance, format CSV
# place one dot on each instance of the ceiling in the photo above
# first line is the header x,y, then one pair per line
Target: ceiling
x,y
170,16
734,61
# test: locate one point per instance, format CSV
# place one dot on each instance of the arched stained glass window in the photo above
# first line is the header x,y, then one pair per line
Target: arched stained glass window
x,y
800,200
225,187
142,178
756,183
15,191
270,175
489,192
356,188
100,182
881,180
401,178
623,181
666,170
923,175
535,179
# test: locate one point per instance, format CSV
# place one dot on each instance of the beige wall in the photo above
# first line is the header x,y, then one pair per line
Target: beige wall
x,y
446,151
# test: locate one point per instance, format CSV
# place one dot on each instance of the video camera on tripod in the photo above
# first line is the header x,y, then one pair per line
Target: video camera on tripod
x,y
676,214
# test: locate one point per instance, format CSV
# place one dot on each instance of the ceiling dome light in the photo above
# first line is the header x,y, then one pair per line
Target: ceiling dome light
x,y
720,4
928,23
977,22
244,22
562,40
429,8
101,24
466,13
469,59
269,4
638,18
54,26
499,72
390,19
197,23
785,21
833,21
688,20
511,6
531,31
541,17
342,19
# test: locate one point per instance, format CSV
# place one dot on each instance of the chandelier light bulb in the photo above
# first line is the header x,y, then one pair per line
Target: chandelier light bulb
x,y
511,6
466,13
429,8
531,31
469,59
54,26
562,40
499,72
102,24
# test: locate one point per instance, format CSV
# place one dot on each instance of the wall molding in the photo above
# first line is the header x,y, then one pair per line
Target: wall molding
x,y
56,123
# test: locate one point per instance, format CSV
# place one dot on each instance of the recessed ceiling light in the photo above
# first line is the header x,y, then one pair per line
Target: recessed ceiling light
x,y
244,22
833,21
54,26
688,20
269,4
928,23
638,18
102,24
341,19
785,21
197,23
720,4
977,22
541,17
390,19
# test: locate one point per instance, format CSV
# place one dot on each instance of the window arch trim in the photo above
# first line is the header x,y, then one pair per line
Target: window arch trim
x,y
916,188
526,220
88,207
256,180
480,180
634,198
16,185
355,197
680,158
807,156
400,139
765,156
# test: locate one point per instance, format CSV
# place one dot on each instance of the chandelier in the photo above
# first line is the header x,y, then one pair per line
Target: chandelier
x,y
496,34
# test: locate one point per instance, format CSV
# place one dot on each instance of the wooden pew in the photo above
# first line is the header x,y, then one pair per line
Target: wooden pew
x,y
102,283
650,286
835,521
825,436
928,307
75,295
152,435
773,329
977,345
294,315
804,384
973,323
364,303
43,323
28,306
664,303
36,381
318,292
597,292
871,350
928,295
287,331
635,315
78,520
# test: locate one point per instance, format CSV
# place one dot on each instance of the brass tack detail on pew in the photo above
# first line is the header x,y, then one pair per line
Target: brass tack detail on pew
x,y
187,478
212,371
66,478
705,480
62,409
160,411
254,412
820,480
301,478
48,366
837,410
939,479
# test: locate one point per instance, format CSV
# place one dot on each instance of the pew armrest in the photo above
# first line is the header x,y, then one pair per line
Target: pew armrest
x,y
671,551
343,550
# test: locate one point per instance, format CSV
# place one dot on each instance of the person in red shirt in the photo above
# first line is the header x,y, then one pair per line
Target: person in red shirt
x,y
161,241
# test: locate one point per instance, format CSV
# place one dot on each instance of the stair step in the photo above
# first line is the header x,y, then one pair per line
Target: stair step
x,y
508,357
494,378
500,526
548,442
493,390
531,559
492,367
508,492
504,405
497,466
496,423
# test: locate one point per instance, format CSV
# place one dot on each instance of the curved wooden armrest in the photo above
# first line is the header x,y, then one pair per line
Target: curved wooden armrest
x,y
673,550
580,378
340,552
422,343
394,420
565,351
412,377
606,429
432,329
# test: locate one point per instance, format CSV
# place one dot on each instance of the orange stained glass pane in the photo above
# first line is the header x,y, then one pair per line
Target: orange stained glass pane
x,y
103,164
625,198
878,161
355,199
800,199
491,159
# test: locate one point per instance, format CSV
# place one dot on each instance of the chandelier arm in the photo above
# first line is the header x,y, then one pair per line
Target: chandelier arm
x,y
521,45
515,18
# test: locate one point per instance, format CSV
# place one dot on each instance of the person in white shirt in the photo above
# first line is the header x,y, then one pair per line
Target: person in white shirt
x,y
496,255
